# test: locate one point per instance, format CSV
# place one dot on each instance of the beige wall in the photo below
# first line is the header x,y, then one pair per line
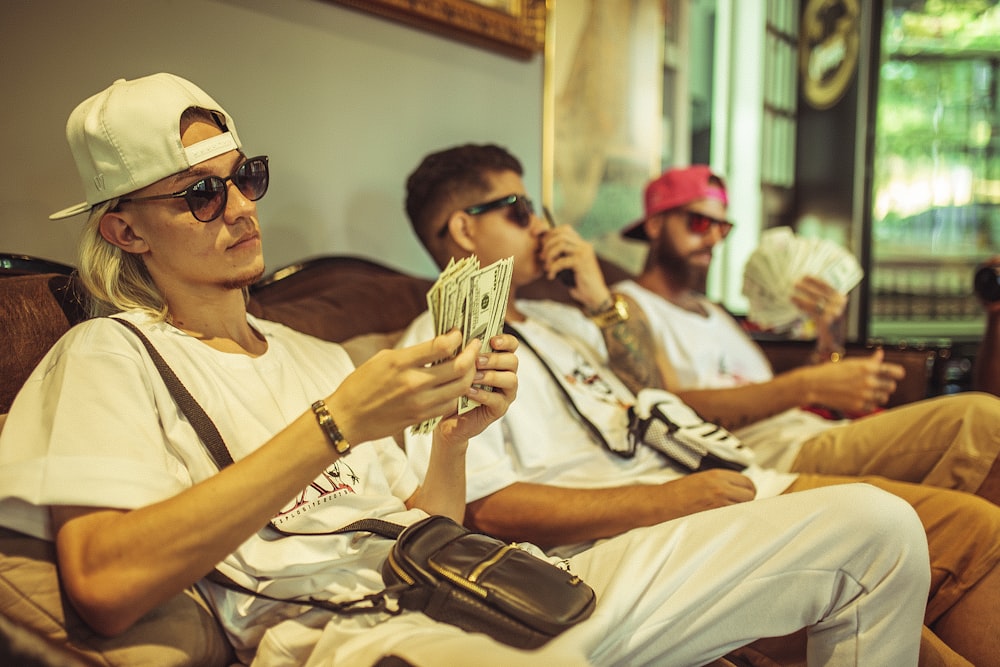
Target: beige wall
x,y
344,103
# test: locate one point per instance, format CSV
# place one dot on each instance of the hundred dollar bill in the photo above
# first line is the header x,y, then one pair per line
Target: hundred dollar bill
x,y
483,316
473,299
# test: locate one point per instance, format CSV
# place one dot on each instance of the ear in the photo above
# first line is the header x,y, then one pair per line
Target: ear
x,y
458,230
653,227
118,231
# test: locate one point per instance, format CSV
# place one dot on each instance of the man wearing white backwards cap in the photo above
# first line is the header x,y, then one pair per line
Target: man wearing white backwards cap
x,y
96,455
123,138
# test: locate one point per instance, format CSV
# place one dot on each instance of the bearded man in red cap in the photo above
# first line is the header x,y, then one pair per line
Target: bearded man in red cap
x,y
713,365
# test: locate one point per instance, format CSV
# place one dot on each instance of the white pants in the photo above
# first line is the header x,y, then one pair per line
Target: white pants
x,y
848,562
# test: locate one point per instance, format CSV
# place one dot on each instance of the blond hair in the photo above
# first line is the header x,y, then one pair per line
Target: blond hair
x,y
115,280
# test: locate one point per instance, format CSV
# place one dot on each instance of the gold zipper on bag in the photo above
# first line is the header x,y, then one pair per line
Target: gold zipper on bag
x,y
460,581
402,574
469,583
476,573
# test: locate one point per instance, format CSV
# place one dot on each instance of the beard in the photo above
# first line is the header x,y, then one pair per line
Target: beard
x,y
678,267
245,281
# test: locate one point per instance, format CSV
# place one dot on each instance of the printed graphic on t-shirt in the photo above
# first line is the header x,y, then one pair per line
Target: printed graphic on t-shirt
x,y
727,376
585,378
335,482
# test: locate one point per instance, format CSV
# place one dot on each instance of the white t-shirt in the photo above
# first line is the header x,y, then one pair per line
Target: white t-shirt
x,y
95,425
712,352
541,439
706,351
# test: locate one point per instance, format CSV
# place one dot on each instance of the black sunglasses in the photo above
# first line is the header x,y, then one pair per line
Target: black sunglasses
x,y
699,223
519,211
207,198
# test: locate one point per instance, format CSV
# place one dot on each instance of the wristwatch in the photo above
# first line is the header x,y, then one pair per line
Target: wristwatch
x,y
615,313
330,428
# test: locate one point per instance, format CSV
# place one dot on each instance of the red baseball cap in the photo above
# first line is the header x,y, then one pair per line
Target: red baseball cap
x,y
675,188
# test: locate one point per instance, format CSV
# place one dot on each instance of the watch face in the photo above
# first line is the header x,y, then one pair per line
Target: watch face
x,y
621,308
828,50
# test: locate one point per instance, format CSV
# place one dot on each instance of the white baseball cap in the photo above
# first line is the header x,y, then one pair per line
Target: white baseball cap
x,y
128,136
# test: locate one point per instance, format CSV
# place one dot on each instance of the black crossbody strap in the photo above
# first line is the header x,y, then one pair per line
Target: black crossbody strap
x,y
209,434
363,605
368,604
201,422
596,432
375,526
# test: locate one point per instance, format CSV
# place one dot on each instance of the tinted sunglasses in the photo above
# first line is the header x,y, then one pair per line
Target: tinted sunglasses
x,y
207,198
699,223
520,208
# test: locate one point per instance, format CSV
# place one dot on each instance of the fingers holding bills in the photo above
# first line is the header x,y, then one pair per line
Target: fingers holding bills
x,y
474,300
780,261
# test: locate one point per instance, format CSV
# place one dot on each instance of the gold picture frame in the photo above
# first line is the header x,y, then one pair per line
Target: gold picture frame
x,y
512,27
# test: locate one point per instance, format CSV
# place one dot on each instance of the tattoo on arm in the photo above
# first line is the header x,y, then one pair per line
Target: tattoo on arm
x,y
632,352
639,362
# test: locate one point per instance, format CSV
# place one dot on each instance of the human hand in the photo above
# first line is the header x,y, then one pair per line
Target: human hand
x,y
853,385
398,388
562,248
819,300
704,491
497,369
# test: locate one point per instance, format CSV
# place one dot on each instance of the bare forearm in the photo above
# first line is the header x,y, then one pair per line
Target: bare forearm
x,y
736,407
443,488
118,565
549,516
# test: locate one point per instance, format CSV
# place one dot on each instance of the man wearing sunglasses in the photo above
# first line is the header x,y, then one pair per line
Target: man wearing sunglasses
x,y
714,366
556,469
97,456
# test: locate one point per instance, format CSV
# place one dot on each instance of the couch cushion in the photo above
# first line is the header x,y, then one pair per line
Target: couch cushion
x,y
337,298
180,632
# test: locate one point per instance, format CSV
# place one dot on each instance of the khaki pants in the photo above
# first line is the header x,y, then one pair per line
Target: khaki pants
x,y
950,442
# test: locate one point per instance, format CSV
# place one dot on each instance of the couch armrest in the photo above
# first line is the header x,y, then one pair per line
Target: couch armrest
x,y
181,632
35,310
920,364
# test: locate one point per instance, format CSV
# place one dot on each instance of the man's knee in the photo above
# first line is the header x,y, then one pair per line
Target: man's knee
x,y
865,509
875,511
963,516
983,407
978,407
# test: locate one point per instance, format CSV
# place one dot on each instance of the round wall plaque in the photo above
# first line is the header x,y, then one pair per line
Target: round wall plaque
x,y
828,50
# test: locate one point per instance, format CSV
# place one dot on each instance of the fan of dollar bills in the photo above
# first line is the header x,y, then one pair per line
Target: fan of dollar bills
x,y
781,259
473,299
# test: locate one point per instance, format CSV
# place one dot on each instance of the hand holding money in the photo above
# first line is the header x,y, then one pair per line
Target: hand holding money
x,y
474,300
777,267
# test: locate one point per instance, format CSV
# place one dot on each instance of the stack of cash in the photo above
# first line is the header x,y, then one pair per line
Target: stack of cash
x,y
474,300
781,259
